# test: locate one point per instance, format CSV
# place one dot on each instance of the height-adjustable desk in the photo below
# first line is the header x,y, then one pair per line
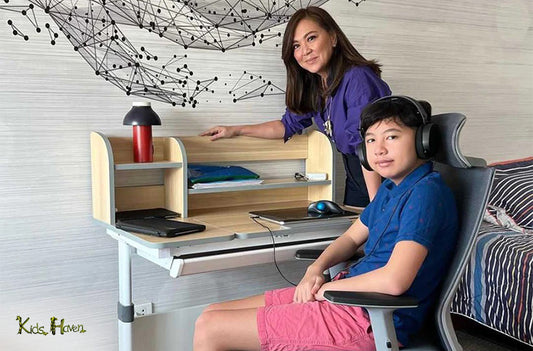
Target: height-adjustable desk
x,y
231,238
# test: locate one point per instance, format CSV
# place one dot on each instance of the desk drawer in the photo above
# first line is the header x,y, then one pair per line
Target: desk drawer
x,y
192,264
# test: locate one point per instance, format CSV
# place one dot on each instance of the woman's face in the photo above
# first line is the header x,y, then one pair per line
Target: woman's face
x,y
313,47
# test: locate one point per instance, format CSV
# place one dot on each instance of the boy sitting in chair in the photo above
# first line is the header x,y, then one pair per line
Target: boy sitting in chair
x,y
409,229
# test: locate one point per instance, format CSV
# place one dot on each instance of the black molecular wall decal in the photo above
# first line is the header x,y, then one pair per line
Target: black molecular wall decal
x,y
94,28
250,85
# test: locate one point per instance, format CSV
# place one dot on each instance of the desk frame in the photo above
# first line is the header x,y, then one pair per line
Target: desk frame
x,y
293,239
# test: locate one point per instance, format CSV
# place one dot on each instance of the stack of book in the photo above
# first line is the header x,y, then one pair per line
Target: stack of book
x,y
211,176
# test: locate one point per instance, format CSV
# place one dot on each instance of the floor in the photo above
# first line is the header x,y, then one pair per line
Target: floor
x,y
479,342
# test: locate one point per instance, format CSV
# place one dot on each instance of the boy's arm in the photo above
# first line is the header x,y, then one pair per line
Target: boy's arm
x,y
343,247
338,251
394,278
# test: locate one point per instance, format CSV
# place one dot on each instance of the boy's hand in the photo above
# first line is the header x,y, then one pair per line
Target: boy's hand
x,y
309,285
319,295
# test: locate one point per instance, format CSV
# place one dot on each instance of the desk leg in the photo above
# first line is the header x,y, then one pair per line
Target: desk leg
x,y
125,305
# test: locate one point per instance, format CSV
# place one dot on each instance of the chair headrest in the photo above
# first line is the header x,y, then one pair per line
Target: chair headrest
x,y
449,152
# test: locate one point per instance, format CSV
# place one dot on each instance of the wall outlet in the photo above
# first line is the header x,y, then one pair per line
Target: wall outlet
x,y
143,309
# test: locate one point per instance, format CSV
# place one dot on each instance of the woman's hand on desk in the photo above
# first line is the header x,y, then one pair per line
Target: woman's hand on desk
x,y
309,286
219,132
269,130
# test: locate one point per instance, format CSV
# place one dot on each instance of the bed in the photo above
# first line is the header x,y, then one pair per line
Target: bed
x,y
497,287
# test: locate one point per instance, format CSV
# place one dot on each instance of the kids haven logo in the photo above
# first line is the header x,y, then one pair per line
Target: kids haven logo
x,y
56,326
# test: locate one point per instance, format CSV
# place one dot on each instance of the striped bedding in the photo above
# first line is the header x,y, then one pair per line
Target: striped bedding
x,y
512,190
497,287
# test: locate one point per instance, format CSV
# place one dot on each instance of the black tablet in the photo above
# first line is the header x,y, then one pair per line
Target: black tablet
x,y
146,213
160,227
296,214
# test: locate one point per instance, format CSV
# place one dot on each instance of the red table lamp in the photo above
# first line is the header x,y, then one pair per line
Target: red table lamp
x,y
142,118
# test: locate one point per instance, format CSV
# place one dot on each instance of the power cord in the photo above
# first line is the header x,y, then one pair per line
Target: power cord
x,y
254,218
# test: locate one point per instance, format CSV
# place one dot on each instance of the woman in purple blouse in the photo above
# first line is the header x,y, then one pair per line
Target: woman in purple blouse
x,y
328,81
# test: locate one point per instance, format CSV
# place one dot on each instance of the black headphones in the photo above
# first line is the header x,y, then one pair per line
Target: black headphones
x,y
426,138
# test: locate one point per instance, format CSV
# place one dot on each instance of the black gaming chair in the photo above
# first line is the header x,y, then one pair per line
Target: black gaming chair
x,y
471,187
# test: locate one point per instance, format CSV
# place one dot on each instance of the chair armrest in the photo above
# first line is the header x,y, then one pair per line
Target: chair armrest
x,y
370,299
380,308
307,254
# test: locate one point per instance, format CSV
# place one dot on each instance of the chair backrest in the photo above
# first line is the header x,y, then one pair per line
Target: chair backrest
x,y
471,188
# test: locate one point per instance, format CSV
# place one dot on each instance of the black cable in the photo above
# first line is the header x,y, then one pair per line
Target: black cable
x,y
273,249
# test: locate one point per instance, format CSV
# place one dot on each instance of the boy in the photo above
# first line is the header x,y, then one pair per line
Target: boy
x,y
409,230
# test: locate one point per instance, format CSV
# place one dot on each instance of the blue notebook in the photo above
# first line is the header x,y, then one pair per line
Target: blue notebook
x,y
199,173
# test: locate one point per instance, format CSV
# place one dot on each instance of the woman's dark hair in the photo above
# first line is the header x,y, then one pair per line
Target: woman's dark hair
x,y
304,89
402,111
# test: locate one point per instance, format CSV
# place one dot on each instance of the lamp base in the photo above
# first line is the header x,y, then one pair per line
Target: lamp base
x,y
143,150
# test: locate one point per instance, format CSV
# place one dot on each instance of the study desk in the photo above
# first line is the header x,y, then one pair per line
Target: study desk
x,y
231,240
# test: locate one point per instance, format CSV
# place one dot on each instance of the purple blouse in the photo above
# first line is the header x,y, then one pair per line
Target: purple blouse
x,y
359,86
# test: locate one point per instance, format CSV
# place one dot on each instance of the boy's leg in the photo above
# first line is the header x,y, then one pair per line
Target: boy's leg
x,y
284,325
232,325
219,330
248,302
229,325
311,326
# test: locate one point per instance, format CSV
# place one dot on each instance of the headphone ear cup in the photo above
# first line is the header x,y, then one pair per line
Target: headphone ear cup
x,y
426,140
360,151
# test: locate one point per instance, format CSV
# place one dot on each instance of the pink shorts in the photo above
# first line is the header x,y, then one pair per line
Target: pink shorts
x,y
319,325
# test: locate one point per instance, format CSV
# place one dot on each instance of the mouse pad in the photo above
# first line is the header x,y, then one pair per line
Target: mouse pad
x,y
296,214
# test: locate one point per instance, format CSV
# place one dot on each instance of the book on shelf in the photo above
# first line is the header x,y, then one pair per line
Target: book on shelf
x,y
200,173
227,183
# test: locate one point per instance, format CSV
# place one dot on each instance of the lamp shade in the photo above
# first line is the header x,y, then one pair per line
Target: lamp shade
x,y
141,114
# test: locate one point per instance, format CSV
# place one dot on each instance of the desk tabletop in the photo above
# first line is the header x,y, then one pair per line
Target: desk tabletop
x,y
221,225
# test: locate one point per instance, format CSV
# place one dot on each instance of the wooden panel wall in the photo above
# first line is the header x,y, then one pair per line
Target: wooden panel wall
x,y
471,56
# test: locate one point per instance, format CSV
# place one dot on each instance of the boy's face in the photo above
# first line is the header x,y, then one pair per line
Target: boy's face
x,y
390,149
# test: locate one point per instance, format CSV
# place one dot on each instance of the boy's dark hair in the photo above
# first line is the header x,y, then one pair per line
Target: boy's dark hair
x,y
401,110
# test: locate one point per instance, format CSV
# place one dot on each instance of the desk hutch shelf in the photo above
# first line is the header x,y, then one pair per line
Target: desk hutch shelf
x,y
110,155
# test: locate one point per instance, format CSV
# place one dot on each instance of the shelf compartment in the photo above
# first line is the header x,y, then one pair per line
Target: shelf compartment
x,y
112,156
267,184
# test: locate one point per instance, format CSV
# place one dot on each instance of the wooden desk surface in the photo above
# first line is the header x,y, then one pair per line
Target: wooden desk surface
x,y
221,225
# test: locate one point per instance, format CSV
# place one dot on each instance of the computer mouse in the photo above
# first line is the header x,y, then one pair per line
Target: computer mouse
x,y
324,207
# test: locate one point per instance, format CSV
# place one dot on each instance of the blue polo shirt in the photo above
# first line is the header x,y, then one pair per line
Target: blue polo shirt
x,y
422,209
359,86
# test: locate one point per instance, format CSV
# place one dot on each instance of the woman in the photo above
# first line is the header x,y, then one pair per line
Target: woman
x,y
330,82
